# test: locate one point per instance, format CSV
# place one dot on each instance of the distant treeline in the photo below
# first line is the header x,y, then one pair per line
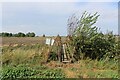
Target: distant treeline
x,y
20,34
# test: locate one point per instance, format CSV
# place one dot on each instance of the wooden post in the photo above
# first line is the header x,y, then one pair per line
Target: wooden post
x,y
59,48
69,48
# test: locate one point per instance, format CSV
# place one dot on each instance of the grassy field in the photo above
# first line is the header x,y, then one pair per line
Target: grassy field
x,y
6,41
22,40
29,61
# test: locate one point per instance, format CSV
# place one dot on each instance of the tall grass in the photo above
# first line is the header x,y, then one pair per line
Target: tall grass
x,y
21,55
33,56
98,69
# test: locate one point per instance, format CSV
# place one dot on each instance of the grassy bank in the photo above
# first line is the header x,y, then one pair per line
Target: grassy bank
x,y
29,62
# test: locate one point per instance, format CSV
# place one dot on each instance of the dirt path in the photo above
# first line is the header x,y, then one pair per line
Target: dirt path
x,y
66,68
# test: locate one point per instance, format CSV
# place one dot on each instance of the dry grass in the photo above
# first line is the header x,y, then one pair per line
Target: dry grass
x,y
81,69
13,41
31,54
22,40
87,69
69,73
20,55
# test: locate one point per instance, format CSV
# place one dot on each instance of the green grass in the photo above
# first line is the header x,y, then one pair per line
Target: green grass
x,y
103,74
27,62
98,69
30,72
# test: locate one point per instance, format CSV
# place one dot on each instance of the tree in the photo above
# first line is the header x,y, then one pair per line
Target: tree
x,y
10,35
27,35
32,34
20,34
43,35
5,34
83,35
0,34
15,35
88,42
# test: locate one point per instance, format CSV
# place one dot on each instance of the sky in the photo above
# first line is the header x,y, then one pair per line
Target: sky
x,y
50,17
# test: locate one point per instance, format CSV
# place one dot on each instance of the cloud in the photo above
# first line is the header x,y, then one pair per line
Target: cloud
x,y
31,12
101,0
18,28
42,18
39,0
41,7
108,19
51,18
38,29
55,8
59,0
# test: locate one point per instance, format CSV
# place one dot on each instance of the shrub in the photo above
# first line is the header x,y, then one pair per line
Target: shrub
x,y
89,42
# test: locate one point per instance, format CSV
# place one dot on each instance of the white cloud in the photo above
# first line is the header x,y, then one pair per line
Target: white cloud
x,y
108,14
101,0
39,0
59,0
108,19
105,10
38,29
18,28
57,8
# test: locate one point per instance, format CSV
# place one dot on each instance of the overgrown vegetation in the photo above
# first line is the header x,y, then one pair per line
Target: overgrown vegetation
x,y
30,62
23,71
95,55
89,42
20,34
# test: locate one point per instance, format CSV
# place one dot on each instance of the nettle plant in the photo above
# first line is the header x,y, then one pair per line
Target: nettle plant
x,y
89,41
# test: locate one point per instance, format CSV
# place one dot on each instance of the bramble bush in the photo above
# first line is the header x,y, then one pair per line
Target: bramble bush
x,y
89,42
